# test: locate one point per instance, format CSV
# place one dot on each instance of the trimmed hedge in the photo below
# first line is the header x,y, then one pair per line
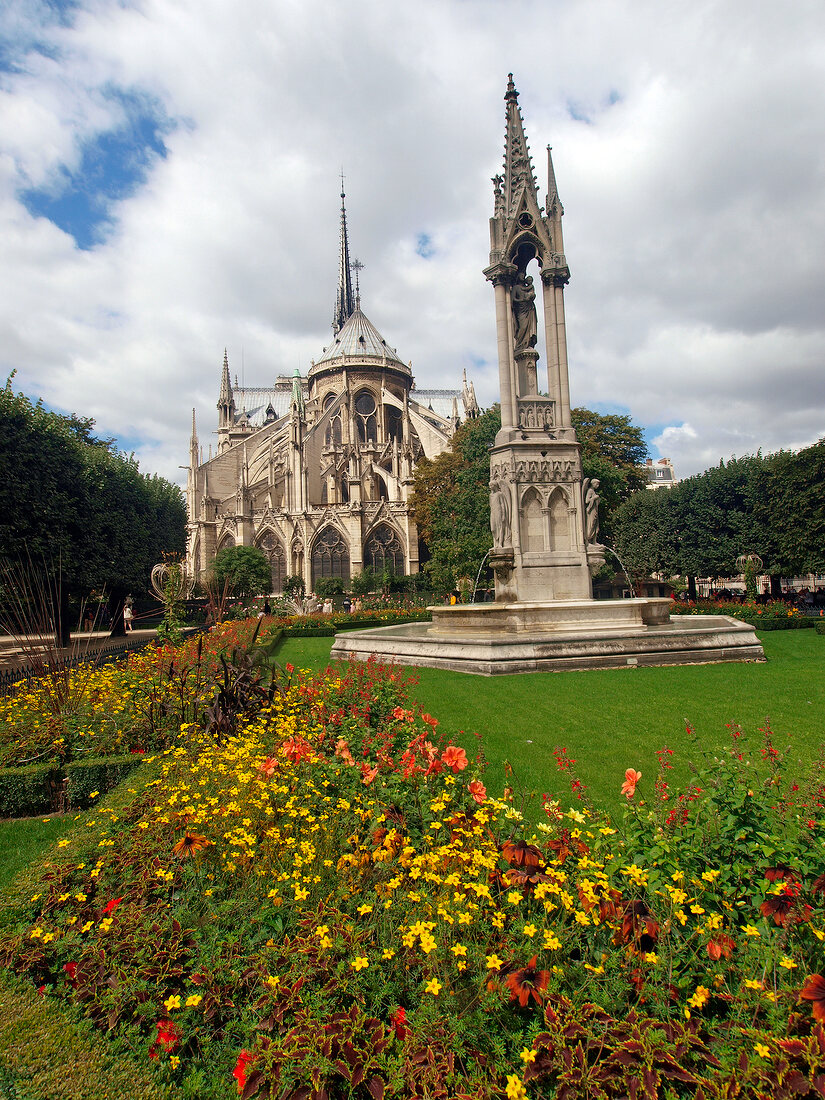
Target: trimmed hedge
x,y
99,775
309,632
27,791
776,623
820,626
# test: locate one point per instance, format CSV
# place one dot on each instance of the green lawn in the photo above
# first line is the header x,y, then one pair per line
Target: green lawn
x,y
23,839
610,720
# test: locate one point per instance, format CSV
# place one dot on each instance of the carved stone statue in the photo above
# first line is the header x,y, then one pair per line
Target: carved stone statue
x,y
524,314
500,515
591,508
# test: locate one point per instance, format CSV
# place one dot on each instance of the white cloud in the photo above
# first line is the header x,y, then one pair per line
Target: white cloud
x,y
694,194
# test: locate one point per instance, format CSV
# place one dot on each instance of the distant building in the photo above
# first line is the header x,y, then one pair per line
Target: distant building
x,y
317,471
660,473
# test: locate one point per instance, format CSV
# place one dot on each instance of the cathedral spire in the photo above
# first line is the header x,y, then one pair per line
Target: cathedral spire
x,y
344,303
518,167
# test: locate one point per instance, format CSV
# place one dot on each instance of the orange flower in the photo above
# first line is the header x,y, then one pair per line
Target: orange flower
x,y
191,843
477,790
454,758
631,778
814,991
527,982
721,945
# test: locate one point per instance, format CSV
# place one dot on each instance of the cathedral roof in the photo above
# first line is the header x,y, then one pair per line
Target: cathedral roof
x,y
358,338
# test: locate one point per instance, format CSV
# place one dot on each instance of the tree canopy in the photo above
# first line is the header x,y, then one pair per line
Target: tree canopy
x,y
70,499
246,568
451,496
771,505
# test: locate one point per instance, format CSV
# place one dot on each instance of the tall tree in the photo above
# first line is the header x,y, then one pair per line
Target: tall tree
x,y
68,499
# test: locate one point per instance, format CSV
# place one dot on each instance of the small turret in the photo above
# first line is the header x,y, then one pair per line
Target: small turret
x,y
344,302
226,400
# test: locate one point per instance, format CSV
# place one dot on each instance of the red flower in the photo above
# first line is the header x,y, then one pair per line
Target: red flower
x,y
71,973
527,982
245,1060
168,1037
455,758
290,668
398,1019
814,991
631,778
112,905
780,873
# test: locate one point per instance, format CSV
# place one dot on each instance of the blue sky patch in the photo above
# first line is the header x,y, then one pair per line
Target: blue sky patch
x,y
113,165
424,246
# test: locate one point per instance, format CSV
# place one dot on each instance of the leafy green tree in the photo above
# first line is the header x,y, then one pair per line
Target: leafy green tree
x,y
246,568
788,499
644,534
72,503
451,503
614,451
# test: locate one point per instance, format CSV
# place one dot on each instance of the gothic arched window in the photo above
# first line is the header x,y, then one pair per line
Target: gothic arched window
x,y
365,419
330,556
383,549
332,437
395,423
559,521
274,550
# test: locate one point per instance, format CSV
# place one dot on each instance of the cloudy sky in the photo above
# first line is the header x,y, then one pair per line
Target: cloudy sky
x,y
169,179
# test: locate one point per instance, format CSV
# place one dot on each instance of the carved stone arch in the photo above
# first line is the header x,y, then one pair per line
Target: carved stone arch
x,y
227,539
269,542
558,507
383,546
525,248
330,554
533,522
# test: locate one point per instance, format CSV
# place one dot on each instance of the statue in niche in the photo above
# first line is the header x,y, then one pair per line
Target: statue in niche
x,y
524,313
591,508
500,515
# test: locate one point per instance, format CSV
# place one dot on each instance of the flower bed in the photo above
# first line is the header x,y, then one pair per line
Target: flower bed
x,y
774,615
317,898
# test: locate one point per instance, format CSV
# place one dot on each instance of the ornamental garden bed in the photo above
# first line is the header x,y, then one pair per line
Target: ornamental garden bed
x,y
310,893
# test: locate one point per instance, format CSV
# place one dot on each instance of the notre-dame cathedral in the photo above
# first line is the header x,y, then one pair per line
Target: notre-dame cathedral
x,y
317,471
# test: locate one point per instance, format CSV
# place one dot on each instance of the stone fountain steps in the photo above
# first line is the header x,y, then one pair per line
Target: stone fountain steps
x,y
608,638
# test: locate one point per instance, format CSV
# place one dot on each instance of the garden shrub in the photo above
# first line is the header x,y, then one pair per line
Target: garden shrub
x,y
820,626
89,778
26,791
311,630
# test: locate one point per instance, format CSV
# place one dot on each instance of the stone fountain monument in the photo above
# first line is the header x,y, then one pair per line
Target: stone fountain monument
x,y
543,513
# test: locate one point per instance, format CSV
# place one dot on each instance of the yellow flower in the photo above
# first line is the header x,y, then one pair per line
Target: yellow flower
x,y
193,1000
762,1050
514,897
527,1056
433,986
172,1002
48,937
752,983
494,962
106,924
711,876
388,953
785,961
515,1089
530,930
551,941
35,933
174,1061
750,930
364,909
700,997
360,962
458,949
89,924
